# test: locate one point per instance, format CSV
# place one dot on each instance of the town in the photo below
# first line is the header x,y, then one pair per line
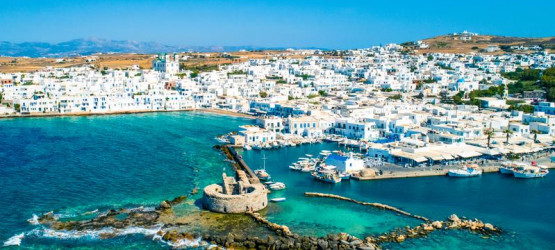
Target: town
x,y
392,105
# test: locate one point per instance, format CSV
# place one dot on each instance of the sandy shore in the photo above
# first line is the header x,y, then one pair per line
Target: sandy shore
x,y
226,112
213,111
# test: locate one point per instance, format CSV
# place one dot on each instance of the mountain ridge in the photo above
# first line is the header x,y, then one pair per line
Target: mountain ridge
x,y
88,46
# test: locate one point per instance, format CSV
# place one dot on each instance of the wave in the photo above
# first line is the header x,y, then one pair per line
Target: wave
x,y
34,220
14,240
109,232
106,232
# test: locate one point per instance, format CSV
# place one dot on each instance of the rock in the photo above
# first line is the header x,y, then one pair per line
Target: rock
x,y
367,246
322,244
356,242
489,227
437,224
400,238
428,227
164,205
343,236
454,218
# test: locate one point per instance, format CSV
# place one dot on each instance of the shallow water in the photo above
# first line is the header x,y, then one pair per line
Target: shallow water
x,y
521,207
73,165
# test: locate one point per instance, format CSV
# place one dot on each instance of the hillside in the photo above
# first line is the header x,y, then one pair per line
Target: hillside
x,y
453,44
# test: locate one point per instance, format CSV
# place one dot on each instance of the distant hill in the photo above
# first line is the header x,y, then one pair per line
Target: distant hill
x,y
478,43
94,45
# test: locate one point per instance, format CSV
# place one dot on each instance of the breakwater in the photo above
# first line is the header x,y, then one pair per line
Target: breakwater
x,y
376,205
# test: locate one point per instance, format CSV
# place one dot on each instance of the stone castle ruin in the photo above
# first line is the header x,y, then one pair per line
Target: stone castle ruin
x,y
235,195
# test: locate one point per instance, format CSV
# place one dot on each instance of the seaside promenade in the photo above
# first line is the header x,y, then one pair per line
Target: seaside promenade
x,y
391,171
56,114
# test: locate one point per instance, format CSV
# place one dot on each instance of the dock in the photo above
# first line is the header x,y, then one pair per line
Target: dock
x,y
242,165
419,173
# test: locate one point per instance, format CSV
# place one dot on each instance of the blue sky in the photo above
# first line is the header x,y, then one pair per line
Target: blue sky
x,y
278,23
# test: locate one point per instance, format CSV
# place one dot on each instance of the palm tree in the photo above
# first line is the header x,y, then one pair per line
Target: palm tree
x,y
489,133
508,133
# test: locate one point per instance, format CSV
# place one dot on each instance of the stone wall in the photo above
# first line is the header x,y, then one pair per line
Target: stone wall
x,y
254,200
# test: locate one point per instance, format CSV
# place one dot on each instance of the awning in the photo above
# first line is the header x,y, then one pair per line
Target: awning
x,y
420,159
435,157
469,154
448,157
410,156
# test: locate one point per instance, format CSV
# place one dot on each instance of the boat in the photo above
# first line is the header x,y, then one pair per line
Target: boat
x,y
277,199
257,147
295,167
466,171
269,182
326,176
277,186
344,176
510,167
530,172
261,173
247,147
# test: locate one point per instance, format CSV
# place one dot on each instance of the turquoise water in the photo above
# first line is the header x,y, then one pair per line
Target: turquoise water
x,y
524,208
72,165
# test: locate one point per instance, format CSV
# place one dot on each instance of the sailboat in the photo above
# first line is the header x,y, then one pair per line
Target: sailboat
x,y
261,173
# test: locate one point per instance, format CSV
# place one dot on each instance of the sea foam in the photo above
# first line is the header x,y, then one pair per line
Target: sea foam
x,y
14,240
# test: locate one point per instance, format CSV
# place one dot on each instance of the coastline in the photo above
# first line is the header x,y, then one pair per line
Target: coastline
x,y
418,173
212,111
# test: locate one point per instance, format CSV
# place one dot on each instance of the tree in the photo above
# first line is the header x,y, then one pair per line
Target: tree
x,y
489,133
263,94
322,93
508,133
1,97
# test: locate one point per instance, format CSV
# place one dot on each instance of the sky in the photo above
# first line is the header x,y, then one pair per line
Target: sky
x,y
338,24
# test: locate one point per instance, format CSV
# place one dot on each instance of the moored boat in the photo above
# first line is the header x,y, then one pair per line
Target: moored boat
x,y
326,176
466,171
277,186
277,199
262,174
344,176
530,172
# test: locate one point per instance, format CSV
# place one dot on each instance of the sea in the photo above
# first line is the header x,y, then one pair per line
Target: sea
x,y
85,165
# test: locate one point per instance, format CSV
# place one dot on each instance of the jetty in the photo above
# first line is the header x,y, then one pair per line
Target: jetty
x,y
418,172
241,164
240,194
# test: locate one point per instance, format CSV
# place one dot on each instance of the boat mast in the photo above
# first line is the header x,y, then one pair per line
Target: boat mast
x,y
264,161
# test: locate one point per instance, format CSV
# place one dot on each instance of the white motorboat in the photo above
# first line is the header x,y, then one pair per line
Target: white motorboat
x,y
466,171
277,199
326,176
530,172
277,186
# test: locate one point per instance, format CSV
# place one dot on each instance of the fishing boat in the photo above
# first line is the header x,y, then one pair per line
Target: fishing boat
x,y
295,167
466,171
257,147
344,176
530,172
247,147
509,167
277,199
261,173
277,186
326,176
